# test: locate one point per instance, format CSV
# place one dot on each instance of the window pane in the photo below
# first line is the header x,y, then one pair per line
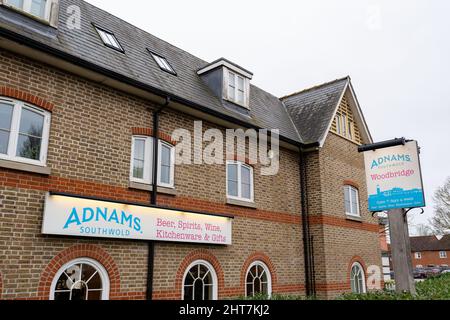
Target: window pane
x,y
232,180
16,3
348,208
246,192
95,295
31,123
6,111
245,175
4,141
38,8
29,147
104,37
165,155
231,86
240,96
354,194
139,149
165,174
241,83
138,169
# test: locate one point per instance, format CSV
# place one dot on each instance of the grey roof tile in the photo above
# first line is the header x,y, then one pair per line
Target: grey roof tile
x,y
312,109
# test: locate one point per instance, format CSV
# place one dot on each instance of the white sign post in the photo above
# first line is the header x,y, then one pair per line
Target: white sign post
x,y
70,216
394,183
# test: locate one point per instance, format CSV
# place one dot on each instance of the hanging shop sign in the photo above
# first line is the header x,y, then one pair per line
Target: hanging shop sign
x,y
394,178
71,216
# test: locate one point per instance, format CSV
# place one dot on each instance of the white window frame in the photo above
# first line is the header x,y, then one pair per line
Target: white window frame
x,y
172,164
357,264
418,255
148,158
443,254
213,273
239,196
266,270
246,88
148,152
349,188
27,8
14,132
97,265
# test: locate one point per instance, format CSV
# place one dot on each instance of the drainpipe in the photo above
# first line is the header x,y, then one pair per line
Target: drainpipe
x,y
154,195
307,238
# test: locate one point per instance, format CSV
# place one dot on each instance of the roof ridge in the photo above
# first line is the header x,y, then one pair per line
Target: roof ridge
x,y
315,87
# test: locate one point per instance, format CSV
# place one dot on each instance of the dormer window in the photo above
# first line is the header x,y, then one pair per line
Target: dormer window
x,y
37,8
228,81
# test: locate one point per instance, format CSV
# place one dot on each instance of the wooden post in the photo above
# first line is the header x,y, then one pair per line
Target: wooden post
x,y
401,251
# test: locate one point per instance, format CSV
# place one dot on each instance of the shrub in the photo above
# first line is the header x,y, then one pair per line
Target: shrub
x,y
436,288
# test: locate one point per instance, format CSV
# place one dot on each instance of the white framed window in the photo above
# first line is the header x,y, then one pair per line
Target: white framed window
x,y
38,8
142,157
258,280
109,39
200,281
166,160
239,181
81,279
163,63
357,279
443,254
418,255
237,88
351,201
24,132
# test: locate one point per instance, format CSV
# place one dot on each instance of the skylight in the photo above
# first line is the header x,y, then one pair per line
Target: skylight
x,y
163,63
109,39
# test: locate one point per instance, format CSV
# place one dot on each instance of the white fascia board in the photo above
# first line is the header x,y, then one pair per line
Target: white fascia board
x,y
224,63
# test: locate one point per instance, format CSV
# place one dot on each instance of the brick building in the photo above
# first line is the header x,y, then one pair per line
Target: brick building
x,y
430,251
80,107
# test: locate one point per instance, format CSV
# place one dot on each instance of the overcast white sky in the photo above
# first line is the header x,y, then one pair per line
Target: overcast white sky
x,y
397,53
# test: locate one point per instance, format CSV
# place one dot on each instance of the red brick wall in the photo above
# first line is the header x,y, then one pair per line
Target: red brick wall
x,y
430,258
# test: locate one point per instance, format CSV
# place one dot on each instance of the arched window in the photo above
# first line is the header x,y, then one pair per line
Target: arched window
x,y
200,282
81,279
357,279
258,280
351,201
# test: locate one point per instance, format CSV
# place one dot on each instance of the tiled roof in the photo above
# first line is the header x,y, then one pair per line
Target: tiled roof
x,y
430,243
312,109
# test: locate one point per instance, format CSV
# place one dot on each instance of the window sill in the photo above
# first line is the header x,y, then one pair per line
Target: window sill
x,y
241,203
24,167
353,218
148,187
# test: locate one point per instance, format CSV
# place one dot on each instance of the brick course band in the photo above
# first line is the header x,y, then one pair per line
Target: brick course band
x,y
15,179
149,133
343,223
80,251
27,97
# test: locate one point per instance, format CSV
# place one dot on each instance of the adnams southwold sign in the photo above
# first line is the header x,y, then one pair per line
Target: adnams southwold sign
x,y
70,216
394,179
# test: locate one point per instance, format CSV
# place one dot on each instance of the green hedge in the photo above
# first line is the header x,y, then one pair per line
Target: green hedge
x,y
436,288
